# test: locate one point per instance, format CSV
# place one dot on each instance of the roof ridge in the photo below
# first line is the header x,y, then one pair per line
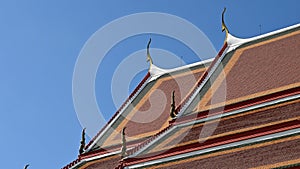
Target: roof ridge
x,y
72,164
200,81
234,42
156,71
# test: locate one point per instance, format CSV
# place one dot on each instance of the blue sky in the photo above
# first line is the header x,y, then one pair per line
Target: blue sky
x,y
39,45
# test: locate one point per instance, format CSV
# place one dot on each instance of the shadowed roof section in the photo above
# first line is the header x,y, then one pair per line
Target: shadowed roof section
x,y
149,110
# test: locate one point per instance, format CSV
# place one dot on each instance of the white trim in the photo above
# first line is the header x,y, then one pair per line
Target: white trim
x,y
97,157
216,117
234,42
75,165
94,158
102,156
156,71
221,147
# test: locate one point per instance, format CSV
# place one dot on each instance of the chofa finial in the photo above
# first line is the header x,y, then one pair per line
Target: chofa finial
x,y
26,166
124,146
224,27
149,59
172,111
82,142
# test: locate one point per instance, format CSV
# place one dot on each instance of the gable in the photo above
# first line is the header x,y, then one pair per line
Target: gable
x,y
253,70
149,111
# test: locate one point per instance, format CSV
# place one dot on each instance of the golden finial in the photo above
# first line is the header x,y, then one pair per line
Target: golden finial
x,y
224,27
149,59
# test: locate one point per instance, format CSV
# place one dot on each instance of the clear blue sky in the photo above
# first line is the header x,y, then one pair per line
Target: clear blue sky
x,y
39,45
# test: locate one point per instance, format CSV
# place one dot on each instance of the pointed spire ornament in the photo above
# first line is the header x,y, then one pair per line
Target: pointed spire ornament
x,y
123,149
149,59
224,27
82,142
26,166
172,111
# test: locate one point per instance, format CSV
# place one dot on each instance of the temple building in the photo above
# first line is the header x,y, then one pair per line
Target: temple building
x,y
240,109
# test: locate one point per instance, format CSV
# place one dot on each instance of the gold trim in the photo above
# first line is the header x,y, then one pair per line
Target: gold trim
x,y
280,164
224,27
149,59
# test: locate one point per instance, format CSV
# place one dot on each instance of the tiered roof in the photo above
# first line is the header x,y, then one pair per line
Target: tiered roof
x,y
233,111
261,108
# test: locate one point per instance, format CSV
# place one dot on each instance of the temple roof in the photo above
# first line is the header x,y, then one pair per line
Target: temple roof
x,y
249,94
243,96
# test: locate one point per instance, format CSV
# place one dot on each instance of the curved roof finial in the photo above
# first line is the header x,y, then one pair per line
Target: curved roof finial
x,y
82,142
124,147
224,27
172,111
149,59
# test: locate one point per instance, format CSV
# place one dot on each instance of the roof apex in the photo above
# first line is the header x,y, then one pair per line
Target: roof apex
x,y
234,42
156,71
